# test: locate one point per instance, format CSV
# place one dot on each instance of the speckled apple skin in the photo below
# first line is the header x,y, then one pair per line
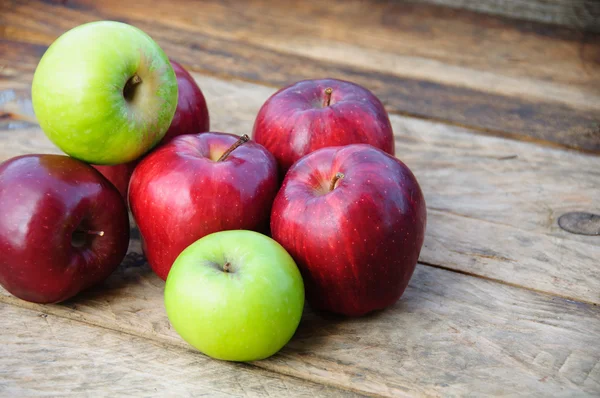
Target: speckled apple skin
x,y
179,193
357,246
43,200
296,121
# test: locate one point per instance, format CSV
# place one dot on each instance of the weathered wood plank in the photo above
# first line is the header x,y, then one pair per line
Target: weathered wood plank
x,y
431,43
450,335
580,14
456,38
46,355
427,62
493,204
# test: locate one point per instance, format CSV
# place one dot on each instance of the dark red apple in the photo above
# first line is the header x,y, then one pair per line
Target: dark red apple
x,y
63,227
118,175
191,117
314,114
196,185
353,218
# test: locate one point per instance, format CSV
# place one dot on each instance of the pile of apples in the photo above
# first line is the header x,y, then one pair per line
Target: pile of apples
x,y
240,229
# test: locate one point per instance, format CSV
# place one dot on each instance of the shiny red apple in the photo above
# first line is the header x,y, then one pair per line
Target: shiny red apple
x,y
191,117
314,114
63,227
354,219
118,175
196,185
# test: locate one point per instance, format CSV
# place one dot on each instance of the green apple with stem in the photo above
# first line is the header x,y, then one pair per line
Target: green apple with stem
x,y
235,295
104,92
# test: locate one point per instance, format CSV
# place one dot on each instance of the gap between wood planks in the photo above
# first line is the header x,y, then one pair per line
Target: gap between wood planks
x,y
503,282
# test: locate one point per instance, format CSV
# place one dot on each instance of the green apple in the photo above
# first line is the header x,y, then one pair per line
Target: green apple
x,y
104,92
235,295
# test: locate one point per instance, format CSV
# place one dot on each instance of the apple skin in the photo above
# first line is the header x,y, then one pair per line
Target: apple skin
x,y
294,121
180,193
44,200
118,175
85,98
356,245
246,314
191,115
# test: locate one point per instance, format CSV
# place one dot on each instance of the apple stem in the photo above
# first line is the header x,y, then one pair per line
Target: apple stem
x,y
226,267
99,233
135,79
239,142
129,89
78,237
338,176
328,92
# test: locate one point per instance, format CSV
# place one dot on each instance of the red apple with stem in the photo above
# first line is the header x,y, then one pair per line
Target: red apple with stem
x,y
63,227
191,117
314,114
196,185
353,218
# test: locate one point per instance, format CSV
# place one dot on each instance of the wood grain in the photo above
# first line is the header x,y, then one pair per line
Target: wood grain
x,y
430,43
580,14
493,204
46,355
463,68
450,335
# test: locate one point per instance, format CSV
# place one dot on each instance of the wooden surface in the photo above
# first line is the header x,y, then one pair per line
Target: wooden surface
x,y
583,14
92,361
495,75
504,301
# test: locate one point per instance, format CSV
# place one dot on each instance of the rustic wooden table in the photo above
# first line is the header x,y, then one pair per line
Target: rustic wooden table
x,y
498,118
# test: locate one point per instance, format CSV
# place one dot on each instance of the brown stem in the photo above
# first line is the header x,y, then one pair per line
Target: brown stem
x,y
78,238
129,89
239,142
328,92
99,233
226,267
338,176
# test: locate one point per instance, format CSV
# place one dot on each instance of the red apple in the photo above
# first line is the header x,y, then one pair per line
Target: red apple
x,y
63,227
314,114
118,175
353,218
196,185
191,115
